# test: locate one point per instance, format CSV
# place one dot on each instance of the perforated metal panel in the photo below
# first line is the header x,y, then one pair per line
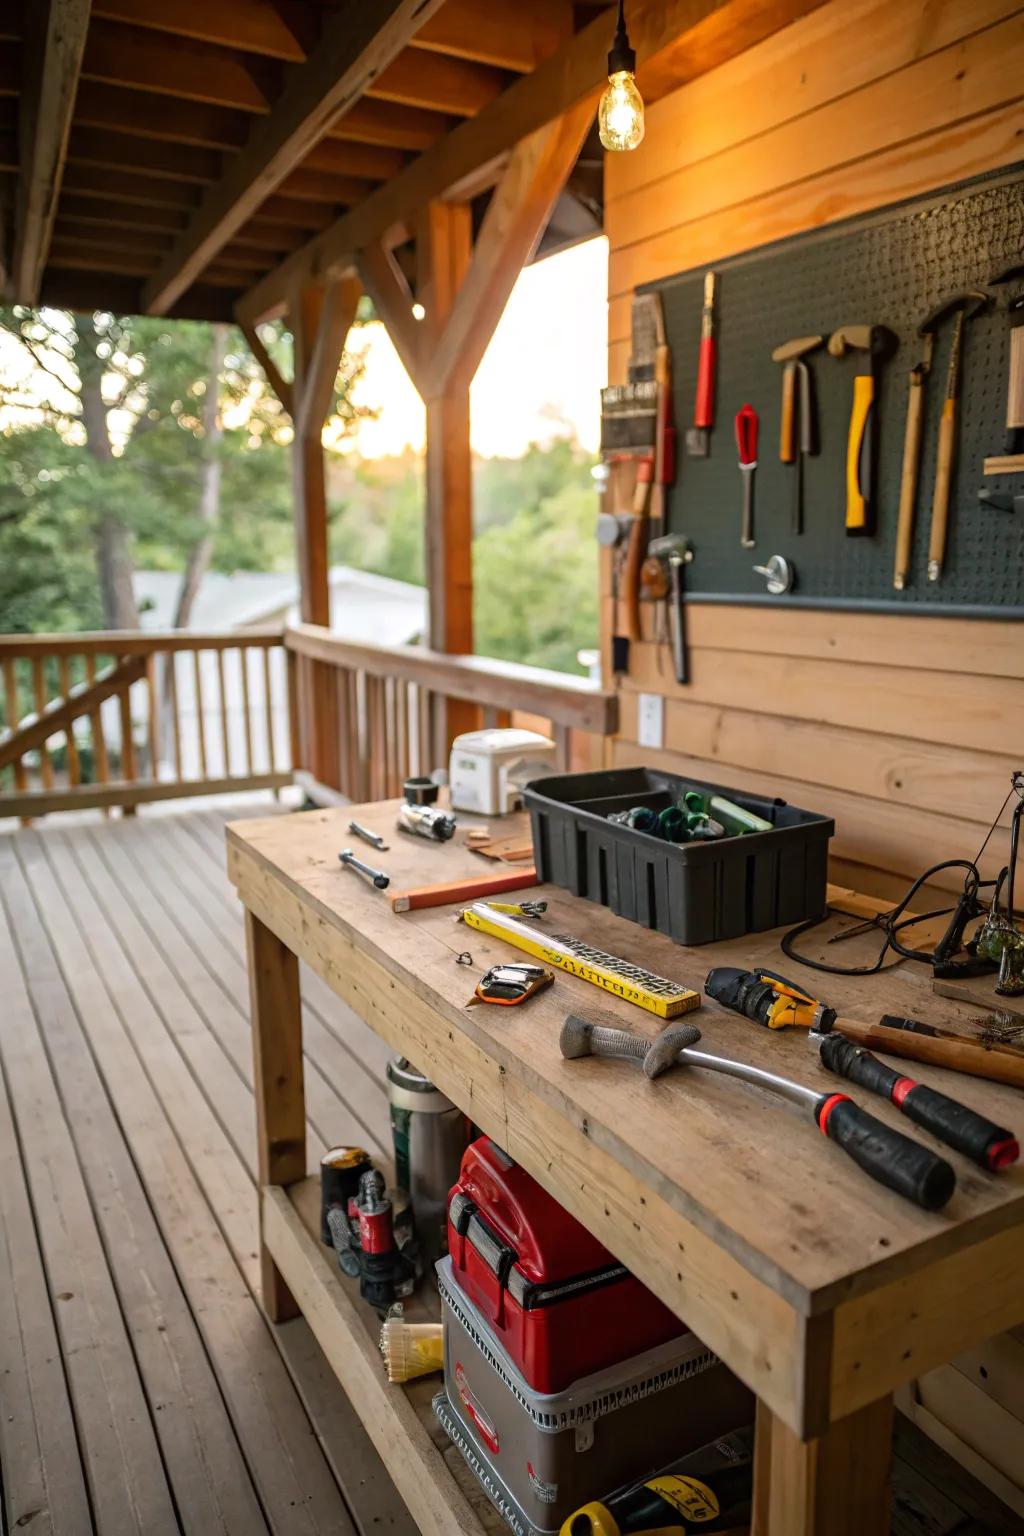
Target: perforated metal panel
x,y
891,268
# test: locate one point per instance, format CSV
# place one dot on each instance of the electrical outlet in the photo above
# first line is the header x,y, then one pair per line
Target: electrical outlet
x,y
650,720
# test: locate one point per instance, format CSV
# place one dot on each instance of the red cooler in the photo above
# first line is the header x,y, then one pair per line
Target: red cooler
x,y
562,1307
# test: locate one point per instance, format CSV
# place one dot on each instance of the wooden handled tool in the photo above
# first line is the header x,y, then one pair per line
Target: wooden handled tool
x,y
963,307
635,551
768,998
796,426
916,380
787,421
1015,381
472,888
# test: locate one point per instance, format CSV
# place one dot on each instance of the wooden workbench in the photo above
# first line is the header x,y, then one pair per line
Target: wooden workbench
x,y
823,1291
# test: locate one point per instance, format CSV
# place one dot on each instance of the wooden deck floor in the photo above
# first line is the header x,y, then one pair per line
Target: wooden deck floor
x,y
141,1388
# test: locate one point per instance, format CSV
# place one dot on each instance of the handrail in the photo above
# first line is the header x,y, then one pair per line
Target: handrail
x,y
574,702
138,642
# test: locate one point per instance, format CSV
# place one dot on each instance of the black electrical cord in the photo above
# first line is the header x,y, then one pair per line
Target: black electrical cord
x,y
888,922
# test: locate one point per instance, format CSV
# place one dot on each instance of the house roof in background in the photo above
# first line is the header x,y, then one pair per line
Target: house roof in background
x,y
364,607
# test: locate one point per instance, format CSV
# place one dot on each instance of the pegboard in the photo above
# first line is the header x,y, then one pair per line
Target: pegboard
x,y
890,268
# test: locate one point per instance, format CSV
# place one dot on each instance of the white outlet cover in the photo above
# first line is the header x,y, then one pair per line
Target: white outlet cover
x,y
650,720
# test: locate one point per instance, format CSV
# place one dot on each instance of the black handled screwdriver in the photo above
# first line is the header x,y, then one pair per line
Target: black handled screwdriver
x,y
987,1144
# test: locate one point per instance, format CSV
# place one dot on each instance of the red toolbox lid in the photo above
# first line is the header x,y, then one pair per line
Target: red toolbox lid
x,y
547,1243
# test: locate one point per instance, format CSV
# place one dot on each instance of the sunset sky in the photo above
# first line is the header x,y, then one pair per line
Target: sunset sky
x,y
540,376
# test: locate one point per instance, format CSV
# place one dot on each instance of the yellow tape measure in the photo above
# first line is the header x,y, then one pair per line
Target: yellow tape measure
x,y
656,993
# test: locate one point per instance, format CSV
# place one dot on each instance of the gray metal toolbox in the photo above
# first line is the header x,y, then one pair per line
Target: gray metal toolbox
x,y
540,1456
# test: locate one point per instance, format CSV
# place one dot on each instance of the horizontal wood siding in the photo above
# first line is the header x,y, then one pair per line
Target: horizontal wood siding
x,y
905,729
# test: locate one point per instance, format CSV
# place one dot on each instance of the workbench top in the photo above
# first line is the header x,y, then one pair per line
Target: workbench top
x,y
723,1198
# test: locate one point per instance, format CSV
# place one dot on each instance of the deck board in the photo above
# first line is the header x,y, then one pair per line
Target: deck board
x,y
131,1132
143,1388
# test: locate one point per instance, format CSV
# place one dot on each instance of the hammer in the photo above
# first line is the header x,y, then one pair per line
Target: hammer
x,y
963,306
677,551
877,341
1015,381
884,1154
797,414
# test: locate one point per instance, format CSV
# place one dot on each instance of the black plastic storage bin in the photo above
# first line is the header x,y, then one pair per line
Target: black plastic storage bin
x,y
694,892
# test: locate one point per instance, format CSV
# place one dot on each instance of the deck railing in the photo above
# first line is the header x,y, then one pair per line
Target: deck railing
x,y
121,717
372,714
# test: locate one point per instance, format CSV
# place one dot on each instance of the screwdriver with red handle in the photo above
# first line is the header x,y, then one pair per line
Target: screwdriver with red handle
x,y
746,447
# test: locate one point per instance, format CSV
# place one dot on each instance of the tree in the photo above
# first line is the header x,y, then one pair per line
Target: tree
x,y
132,426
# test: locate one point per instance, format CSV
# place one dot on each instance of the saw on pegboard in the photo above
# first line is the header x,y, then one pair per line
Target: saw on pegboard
x,y
889,270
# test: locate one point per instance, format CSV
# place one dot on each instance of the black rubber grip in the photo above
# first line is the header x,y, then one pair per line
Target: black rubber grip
x,y
987,1144
962,1128
912,1026
856,1064
891,1159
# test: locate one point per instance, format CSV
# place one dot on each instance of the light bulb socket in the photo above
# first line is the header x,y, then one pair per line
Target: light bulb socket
x,y
621,56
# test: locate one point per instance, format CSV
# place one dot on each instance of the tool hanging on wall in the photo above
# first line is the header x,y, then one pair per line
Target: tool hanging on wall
x,y
677,553
916,386
628,559
861,446
779,575
632,982
1014,443
798,423
746,447
884,1154
698,437
963,307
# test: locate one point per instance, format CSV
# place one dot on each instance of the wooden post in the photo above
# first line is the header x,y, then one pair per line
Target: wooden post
x,y
320,320
837,1485
276,1012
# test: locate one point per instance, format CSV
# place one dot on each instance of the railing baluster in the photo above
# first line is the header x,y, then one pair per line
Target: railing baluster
x,y
293,709
11,714
129,767
100,759
363,725
224,733
71,745
268,697
197,673
401,732
243,666
350,733
153,721
172,694
39,685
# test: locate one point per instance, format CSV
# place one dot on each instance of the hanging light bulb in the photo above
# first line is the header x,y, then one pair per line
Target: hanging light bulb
x,y
620,117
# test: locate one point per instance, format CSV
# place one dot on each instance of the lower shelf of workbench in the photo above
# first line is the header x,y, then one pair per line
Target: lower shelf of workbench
x,y
428,1471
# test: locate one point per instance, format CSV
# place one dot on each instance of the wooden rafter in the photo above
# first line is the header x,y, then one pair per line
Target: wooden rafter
x,y
57,32
392,299
570,77
355,47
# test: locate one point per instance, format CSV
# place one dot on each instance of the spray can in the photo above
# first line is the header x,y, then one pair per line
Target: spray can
x,y
430,1134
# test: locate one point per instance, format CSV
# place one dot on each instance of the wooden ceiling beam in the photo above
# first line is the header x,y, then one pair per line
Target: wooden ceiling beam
x,y
265,236
130,187
325,187
373,161
103,150
174,66
159,117
294,214
100,211
68,289
125,236
57,32
508,37
388,124
353,51
717,29
513,37
438,84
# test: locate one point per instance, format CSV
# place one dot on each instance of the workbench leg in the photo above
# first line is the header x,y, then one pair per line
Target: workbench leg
x,y
837,1485
276,1014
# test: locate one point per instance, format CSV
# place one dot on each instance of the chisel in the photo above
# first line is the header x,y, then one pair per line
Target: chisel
x,y
698,436
746,447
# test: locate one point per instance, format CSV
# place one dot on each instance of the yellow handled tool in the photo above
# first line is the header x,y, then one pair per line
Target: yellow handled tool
x,y
877,341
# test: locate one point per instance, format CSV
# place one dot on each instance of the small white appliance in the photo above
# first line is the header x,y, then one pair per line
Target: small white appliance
x,y
488,769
